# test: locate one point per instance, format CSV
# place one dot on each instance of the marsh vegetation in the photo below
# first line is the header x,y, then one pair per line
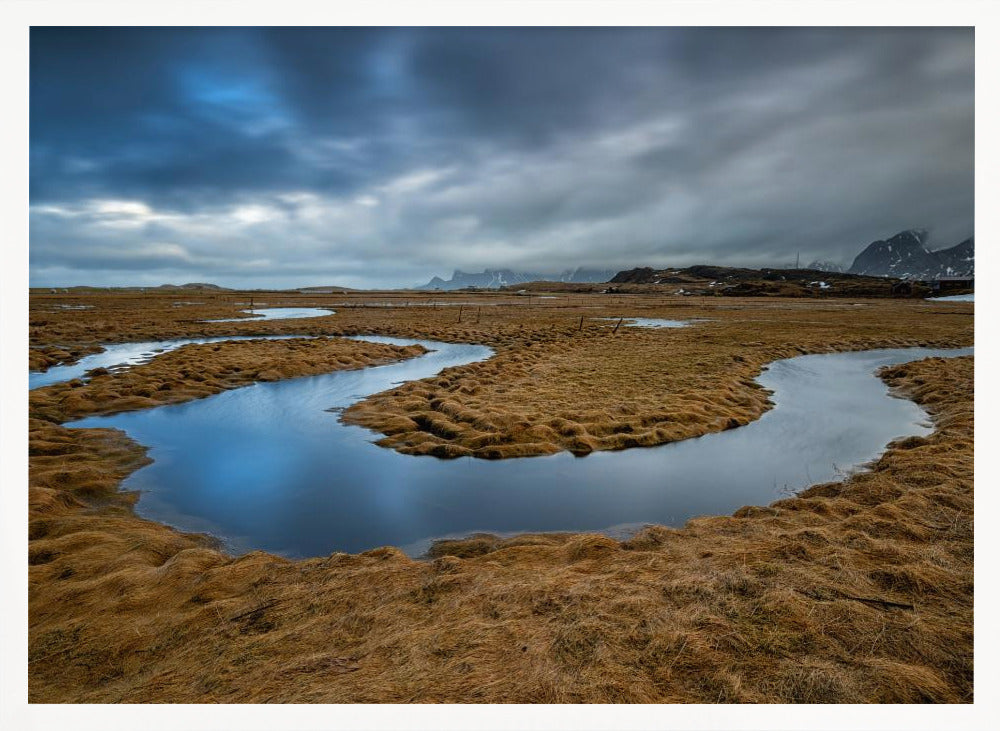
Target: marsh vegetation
x,y
855,591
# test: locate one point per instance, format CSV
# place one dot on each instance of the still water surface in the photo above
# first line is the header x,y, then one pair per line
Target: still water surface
x,y
270,467
279,313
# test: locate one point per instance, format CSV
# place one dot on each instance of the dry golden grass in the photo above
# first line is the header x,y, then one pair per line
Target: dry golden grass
x,y
852,592
555,383
597,390
46,356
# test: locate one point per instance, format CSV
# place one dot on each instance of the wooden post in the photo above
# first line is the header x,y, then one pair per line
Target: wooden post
x,y
617,325
581,324
460,308
479,314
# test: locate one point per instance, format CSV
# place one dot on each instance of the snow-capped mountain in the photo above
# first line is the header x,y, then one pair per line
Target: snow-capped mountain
x,y
906,256
497,278
959,260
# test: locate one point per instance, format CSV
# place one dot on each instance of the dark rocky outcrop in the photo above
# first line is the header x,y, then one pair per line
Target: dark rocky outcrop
x,y
906,256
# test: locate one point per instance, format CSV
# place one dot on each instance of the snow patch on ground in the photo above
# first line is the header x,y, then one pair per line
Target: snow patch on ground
x,y
954,298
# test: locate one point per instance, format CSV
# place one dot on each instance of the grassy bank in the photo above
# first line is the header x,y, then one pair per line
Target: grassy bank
x,y
562,379
603,390
857,592
852,592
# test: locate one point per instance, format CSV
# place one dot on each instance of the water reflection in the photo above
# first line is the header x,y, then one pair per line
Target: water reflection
x,y
268,467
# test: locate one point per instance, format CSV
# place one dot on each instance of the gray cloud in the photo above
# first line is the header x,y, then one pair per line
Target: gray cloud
x,y
280,157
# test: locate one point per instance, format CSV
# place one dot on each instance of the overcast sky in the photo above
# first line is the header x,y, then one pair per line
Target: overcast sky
x,y
367,158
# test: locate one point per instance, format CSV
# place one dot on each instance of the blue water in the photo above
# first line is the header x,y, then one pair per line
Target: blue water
x,y
270,467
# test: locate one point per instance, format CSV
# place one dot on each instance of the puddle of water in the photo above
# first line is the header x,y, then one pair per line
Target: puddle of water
x,y
954,298
269,467
279,313
125,355
648,322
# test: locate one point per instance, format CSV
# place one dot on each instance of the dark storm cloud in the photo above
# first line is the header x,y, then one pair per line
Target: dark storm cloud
x,y
381,156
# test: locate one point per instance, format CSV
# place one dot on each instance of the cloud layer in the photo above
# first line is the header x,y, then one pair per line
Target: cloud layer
x,y
286,157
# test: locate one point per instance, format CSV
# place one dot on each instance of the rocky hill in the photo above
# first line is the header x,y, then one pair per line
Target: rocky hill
x,y
735,281
906,256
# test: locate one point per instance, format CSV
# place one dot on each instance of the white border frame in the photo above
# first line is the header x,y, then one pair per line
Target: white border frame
x,y
16,16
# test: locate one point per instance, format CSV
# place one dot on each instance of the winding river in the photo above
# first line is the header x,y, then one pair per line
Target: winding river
x,y
270,467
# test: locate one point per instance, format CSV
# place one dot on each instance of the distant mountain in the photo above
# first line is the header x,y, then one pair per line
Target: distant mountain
x,y
488,279
583,275
194,285
906,256
497,278
959,260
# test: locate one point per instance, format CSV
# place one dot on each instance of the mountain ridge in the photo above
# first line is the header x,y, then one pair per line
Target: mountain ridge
x,y
499,278
906,256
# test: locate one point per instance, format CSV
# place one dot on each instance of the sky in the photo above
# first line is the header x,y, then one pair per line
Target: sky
x,y
380,157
